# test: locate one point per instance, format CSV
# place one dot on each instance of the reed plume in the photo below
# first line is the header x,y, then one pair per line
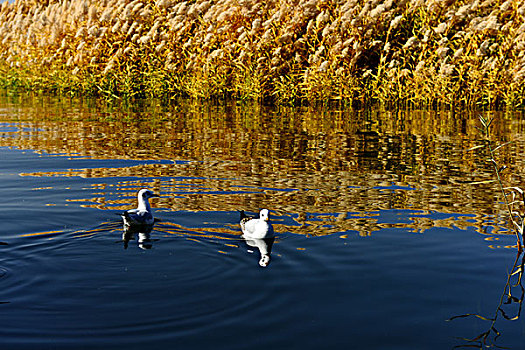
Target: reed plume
x,y
466,53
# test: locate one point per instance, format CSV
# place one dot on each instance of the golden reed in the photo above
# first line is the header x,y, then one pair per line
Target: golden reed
x,y
419,53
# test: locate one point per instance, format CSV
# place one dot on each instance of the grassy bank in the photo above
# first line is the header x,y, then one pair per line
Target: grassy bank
x,y
423,53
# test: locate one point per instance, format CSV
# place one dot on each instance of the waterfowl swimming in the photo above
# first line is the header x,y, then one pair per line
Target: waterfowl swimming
x,y
256,228
143,215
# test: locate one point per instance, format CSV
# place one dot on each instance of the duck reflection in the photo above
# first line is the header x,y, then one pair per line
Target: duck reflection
x,y
143,232
265,248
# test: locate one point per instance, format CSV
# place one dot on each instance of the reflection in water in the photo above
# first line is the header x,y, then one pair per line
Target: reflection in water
x,y
330,171
264,246
509,307
341,173
130,232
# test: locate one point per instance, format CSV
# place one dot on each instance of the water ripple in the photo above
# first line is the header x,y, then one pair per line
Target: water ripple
x,y
3,272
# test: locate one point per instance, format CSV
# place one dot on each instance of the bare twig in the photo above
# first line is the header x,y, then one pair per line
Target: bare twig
x,y
483,340
516,217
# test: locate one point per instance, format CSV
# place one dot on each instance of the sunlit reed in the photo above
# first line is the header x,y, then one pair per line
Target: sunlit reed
x,y
466,53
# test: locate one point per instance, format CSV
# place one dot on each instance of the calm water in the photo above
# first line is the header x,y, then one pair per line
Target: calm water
x,y
381,236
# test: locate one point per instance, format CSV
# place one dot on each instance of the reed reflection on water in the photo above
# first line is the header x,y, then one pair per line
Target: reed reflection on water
x,y
330,171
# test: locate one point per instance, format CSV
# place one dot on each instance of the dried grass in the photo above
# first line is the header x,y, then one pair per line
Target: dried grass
x,y
466,53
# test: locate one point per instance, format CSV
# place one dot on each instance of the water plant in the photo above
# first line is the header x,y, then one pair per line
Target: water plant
x,y
419,53
511,298
514,199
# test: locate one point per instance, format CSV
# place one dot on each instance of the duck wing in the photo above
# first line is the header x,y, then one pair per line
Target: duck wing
x,y
249,226
244,219
138,217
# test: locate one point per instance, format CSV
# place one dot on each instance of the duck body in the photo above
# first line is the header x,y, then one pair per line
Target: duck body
x,y
143,214
254,228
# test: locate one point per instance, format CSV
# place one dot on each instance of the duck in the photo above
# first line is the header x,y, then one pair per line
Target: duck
x,y
253,228
143,215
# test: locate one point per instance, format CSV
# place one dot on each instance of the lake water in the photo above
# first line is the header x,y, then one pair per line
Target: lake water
x,y
386,228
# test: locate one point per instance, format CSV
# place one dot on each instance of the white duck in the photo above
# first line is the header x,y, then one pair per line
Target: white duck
x,y
143,215
256,228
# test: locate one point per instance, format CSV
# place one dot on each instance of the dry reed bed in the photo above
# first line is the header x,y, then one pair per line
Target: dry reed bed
x,y
421,52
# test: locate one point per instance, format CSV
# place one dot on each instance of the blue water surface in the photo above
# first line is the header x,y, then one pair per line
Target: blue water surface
x,y
66,281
